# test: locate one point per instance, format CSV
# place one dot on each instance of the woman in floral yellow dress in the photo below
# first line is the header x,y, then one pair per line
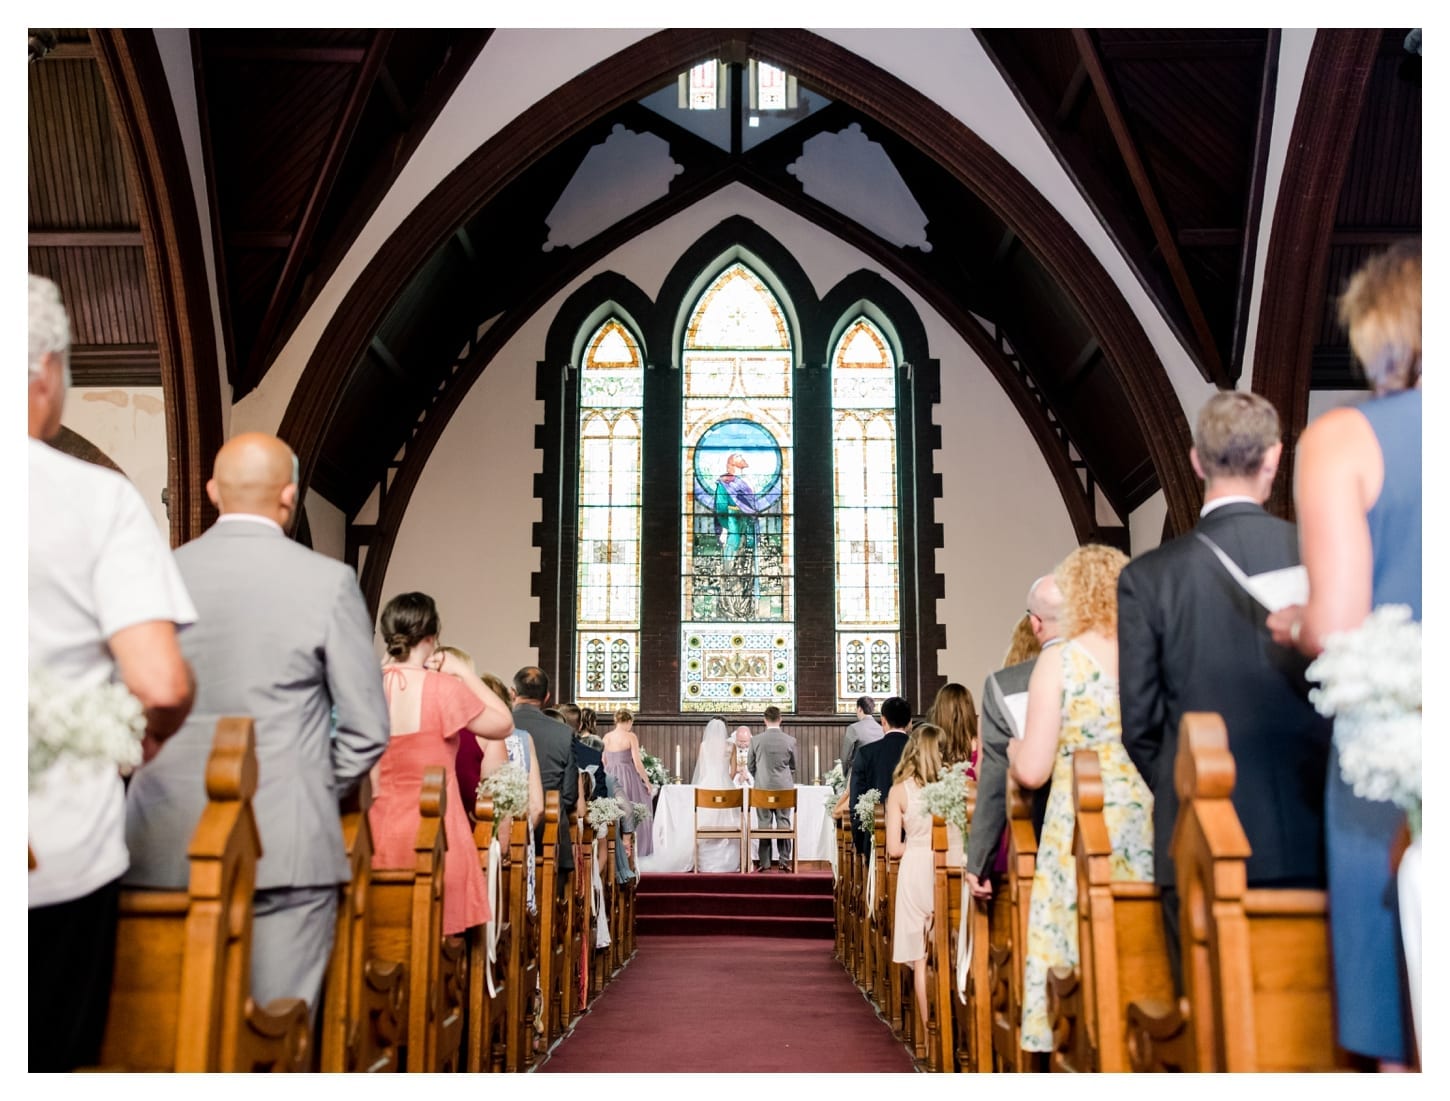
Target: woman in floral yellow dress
x,y
1072,704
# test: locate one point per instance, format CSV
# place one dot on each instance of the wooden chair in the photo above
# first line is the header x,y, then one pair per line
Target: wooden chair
x,y
365,998
1009,955
407,924
768,799
488,978
1121,949
180,993
1256,961
710,799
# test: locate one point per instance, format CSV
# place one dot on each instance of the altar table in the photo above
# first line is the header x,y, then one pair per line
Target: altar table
x,y
674,828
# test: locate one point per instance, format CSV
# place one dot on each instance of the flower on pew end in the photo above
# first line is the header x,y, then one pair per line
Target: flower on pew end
x,y
509,786
946,797
604,812
101,723
1370,683
866,809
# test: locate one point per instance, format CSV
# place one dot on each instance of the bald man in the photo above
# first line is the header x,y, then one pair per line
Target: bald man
x,y
283,636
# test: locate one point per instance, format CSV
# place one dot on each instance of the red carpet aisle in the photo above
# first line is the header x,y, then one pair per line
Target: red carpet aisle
x,y
696,1005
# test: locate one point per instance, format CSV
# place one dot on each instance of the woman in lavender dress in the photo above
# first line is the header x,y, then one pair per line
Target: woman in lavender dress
x,y
627,779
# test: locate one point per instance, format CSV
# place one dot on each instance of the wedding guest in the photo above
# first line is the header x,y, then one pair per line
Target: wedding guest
x,y
772,762
589,728
864,729
1357,494
428,710
876,762
908,838
283,636
571,715
1024,644
954,713
554,750
628,780
105,601
1191,640
516,749
1072,704
986,843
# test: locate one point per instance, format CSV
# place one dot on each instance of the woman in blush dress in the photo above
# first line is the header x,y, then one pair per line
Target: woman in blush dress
x,y
429,709
1357,495
1072,704
627,779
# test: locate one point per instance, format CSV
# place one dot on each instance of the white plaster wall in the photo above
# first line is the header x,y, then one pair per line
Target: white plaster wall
x,y
1321,401
129,425
1145,524
467,538
327,525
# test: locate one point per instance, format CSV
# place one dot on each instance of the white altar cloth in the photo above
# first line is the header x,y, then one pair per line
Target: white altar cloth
x,y
674,828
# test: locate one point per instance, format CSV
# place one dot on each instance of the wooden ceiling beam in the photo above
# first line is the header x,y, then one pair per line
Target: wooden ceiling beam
x,y
1373,235
85,238
1087,358
309,55
1182,49
394,97
342,133
1065,116
1211,364
384,355
1004,247
1210,237
259,238
70,51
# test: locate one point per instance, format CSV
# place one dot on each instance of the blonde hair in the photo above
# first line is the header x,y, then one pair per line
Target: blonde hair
x,y
463,656
954,713
1381,310
496,686
1023,645
1235,431
921,759
1088,578
623,715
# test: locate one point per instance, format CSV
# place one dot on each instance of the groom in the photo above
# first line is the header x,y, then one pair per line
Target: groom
x,y
772,764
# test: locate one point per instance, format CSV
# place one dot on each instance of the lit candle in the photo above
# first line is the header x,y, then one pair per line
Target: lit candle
x,y
677,759
818,764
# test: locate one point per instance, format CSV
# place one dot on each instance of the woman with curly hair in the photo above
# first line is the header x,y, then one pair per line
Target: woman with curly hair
x,y
1072,704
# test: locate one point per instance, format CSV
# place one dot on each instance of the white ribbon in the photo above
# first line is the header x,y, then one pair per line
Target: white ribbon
x,y
871,882
491,926
964,943
601,921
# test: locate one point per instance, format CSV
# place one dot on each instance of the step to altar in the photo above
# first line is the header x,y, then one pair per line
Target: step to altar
x,y
770,904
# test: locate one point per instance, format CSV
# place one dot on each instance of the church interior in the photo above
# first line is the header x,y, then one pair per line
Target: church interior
x,y
709,372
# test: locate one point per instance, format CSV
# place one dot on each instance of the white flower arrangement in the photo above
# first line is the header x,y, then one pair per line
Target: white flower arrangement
x,y
102,723
1370,683
641,811
836,778
654,768
946,797
509,786
604,812
866,809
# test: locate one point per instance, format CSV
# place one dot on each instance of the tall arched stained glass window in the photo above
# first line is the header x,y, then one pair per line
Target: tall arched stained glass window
x,y
737,559
868,599
611,394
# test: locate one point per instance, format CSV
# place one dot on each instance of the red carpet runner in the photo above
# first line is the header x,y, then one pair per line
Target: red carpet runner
x,y
762,1005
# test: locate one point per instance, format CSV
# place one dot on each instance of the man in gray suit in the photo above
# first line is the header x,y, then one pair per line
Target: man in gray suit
x,y
772,764
554,743
1044,606
283,636
865,729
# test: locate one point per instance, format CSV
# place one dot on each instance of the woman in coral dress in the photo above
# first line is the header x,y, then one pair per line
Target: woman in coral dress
x,y
428,710
1072,704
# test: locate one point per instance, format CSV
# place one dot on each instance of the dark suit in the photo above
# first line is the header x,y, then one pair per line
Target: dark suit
x,y
558,771
872,768
1190,639
989,818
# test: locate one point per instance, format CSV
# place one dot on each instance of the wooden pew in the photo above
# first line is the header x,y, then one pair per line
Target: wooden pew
x,y
488,980
521,955
553,913
584,923
407,924
602,854
839,904
180,994
1256,961
879,924
365,998
1008,957
1121,949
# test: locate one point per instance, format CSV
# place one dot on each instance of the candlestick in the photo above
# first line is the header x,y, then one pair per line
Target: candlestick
x,y
677,760
818,764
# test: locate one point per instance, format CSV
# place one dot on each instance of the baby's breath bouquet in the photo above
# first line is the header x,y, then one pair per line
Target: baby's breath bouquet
x,y
509,786
654,768
641,811
101,723
946,797
866,809
1369,681
837,779
604,812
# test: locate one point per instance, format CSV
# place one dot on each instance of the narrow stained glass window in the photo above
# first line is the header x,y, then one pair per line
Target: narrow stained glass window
x,y
611,393
868,605
737,558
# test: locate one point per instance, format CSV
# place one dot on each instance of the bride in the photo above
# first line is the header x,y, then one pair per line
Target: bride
x,y
713,770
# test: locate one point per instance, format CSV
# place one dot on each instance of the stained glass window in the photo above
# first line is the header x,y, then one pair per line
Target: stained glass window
x,y
737,558
611,394
868,603
771,89
700,87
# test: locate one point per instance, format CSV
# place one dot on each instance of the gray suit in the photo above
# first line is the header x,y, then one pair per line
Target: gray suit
x,y
558,771
989,818
772,764
283,636
859,733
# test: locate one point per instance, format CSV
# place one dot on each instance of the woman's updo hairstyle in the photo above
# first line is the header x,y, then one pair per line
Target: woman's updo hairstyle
x,y
407,620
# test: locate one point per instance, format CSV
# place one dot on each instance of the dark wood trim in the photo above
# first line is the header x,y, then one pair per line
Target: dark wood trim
x,y
1211,363
362,86
1330,101
141,106
306,55
115,365
85,238
218,242
1254,209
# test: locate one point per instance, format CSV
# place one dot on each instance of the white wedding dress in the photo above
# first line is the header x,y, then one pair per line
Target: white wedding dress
x,y
712,770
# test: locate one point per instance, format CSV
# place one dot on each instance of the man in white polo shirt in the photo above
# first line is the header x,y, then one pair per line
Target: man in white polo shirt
x,y
105,602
